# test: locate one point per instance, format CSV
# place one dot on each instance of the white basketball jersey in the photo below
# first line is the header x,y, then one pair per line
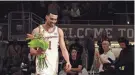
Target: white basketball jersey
x,y
51,52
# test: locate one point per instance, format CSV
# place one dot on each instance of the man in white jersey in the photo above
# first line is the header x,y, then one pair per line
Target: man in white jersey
x,y
55,36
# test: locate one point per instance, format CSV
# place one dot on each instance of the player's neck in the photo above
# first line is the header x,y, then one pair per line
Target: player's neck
x,y
48,28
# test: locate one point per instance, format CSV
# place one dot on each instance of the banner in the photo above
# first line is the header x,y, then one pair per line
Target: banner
x,y
112,31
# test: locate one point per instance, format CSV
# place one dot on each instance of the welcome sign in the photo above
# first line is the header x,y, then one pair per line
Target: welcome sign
x,y
112,31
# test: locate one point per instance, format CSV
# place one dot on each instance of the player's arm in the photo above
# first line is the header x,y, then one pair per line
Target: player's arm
x,y
63,46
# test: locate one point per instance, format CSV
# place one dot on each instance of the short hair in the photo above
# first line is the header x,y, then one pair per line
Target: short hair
x,y
52,11
123,40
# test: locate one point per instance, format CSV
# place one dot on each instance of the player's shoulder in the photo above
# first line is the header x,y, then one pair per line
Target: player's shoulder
x,y
60,30
37,28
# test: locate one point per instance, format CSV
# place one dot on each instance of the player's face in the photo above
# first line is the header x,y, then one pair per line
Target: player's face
x,y
122,45
105,45
51,19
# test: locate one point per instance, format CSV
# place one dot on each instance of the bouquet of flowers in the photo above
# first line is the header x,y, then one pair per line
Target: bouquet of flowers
x,y
37,41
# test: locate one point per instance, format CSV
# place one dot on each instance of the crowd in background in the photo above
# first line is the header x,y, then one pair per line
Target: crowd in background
x,y
16,60
71,11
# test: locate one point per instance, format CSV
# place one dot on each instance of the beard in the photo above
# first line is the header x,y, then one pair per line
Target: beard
x,y
51,24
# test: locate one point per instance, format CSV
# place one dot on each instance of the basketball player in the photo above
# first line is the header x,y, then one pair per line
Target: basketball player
x,y
56,37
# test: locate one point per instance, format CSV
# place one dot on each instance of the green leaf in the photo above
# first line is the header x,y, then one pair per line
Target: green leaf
x,y
38,43
44,45
33,43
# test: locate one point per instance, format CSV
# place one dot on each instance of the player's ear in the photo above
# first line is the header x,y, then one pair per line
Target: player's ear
x,y
46,17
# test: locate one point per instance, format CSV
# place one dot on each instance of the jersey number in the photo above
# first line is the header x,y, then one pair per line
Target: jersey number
x,y
49,44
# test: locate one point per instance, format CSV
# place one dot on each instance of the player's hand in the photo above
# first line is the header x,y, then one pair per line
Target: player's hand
x,y
40,51
68,67
36,51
